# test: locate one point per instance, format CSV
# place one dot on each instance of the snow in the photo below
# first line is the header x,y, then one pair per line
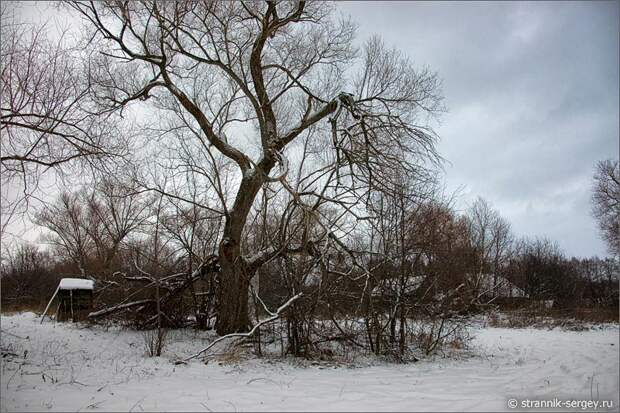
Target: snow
x,y
76,284
70,367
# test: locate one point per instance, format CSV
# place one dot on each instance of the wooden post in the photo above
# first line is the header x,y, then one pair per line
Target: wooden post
x,y
157,295
50,303
71,299
57,312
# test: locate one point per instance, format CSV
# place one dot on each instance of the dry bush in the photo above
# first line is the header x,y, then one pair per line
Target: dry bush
x,y
434,336
155,341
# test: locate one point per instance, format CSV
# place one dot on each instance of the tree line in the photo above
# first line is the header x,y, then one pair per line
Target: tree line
x,y
420,260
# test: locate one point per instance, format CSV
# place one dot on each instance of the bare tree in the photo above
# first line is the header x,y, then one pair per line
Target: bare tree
x,y
399,235
67,220
194,231
492,238
501,250
248,81
88,226
606,202
47,119
115,211
27,276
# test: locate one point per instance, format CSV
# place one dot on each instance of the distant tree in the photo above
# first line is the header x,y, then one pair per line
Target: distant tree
x,y
491,237
544,273
67,221
27,276
88,226
606,202
600,280
48,121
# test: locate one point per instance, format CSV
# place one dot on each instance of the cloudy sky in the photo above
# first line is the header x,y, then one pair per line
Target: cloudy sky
x,y
532,97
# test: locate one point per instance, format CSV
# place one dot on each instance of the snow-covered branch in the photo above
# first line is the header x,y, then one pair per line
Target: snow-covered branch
x,y
119,307
273,317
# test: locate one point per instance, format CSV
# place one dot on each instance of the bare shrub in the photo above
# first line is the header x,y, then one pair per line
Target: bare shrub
x,y
437,335
155,341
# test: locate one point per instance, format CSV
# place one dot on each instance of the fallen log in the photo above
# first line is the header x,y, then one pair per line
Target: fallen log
x,y
118,307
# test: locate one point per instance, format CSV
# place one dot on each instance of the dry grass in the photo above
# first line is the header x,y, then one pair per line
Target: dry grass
x,y
12,307
575,319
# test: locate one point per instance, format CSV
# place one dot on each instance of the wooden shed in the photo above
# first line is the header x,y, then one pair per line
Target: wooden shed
x,y
75,299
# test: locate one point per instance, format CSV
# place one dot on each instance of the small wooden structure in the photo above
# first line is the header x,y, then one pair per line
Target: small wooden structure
x,y
75,299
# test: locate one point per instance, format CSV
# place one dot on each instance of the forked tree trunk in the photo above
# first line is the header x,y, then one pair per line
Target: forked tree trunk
x,y
233,291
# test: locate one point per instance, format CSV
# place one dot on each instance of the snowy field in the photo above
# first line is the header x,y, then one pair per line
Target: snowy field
x,y
73,368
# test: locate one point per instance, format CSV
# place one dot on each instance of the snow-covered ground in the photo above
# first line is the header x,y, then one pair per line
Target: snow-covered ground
x,y
69,368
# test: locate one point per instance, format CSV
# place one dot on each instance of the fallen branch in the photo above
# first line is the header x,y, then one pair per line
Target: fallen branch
x,y
119,307
273,317
164,283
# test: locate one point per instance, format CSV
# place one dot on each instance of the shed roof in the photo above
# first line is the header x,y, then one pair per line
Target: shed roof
x,y
76,284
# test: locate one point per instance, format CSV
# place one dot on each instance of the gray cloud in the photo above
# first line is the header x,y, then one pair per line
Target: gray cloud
x,y
532,94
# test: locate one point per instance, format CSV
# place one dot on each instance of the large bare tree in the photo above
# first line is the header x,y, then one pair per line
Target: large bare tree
x,y
272,96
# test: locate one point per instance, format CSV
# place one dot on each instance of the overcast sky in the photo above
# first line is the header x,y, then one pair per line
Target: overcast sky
x,y
532,97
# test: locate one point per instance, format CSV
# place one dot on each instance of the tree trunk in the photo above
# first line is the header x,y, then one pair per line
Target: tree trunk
x,y
233,292
403,331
